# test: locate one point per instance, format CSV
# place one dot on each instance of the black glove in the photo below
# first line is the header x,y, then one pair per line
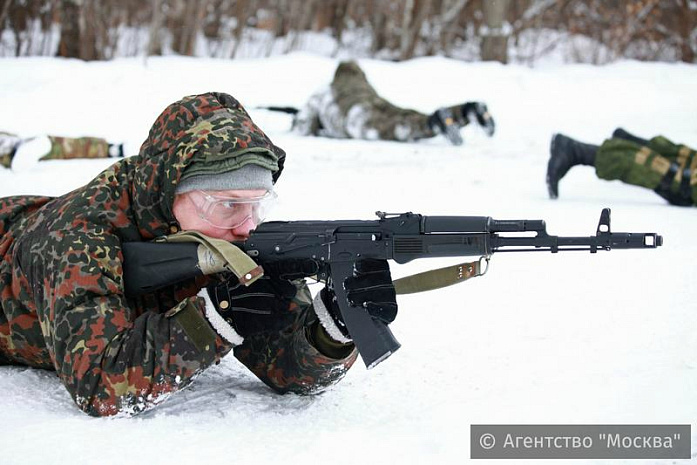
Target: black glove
x,y
259,308
478,111
264,305
370,287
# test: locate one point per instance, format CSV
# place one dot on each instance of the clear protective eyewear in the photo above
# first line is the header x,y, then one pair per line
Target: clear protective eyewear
x,y
230,212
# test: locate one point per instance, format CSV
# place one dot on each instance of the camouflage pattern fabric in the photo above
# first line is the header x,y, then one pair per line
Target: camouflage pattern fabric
x,y
275,345
62,302
647,166
64,148
8,145
351,108
5,160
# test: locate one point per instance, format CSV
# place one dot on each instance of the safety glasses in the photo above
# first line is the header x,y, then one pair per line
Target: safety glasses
x,y
230,212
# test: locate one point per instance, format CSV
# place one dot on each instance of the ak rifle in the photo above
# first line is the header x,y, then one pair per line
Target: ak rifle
x,y
336,245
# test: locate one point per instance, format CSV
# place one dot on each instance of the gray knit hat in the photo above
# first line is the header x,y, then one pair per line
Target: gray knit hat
x,y
250,176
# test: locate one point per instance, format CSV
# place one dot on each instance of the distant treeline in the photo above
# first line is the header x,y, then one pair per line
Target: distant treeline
x,y
501,30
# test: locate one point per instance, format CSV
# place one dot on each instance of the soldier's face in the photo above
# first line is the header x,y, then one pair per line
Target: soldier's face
x,y
228,215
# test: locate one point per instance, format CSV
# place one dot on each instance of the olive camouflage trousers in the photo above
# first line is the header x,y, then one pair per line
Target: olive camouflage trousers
x,y
669,169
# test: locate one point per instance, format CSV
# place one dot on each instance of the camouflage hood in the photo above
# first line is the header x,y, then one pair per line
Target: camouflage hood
x,y
209,129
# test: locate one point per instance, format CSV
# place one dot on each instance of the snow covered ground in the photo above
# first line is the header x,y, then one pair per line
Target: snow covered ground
x,y
570,338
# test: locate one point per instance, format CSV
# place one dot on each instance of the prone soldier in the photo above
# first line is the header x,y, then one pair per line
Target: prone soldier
x,y
658,164
21,154
351,108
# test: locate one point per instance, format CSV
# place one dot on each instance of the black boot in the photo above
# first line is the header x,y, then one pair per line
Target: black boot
x,y
443,121
479,112
566,152
115,150
620,133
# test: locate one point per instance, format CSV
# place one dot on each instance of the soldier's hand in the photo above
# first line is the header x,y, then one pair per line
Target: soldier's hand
x,y
261,307
370,287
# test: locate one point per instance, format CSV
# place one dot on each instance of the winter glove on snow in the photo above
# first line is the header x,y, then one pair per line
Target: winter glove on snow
x,y
370,287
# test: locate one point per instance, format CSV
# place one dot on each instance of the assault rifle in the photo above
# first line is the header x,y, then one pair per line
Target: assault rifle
x,y
337,245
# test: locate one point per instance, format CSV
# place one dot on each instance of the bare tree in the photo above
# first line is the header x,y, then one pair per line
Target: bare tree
x,y
69,45
242,11
191,22
494,36
338,22
687,29
154,36
378,22
405,32
4,9
89,24
450,12
413,20
400,30
301,14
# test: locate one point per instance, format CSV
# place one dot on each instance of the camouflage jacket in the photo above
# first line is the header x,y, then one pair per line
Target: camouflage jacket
x,y
62,303
351,108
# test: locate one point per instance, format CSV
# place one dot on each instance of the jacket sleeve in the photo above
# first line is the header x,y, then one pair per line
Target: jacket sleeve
x,y
281,353
111,357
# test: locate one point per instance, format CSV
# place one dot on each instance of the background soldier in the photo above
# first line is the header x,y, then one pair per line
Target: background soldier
x,y
351,108
20,154
658,164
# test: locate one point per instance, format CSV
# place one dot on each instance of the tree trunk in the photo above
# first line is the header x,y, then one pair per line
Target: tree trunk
x,y
155,34
378,25
3,13
338,22
495,38
301,21
89,22
188,25
69,45
449,14
422,11
197,26
686,24
193,19
242,14
405,28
